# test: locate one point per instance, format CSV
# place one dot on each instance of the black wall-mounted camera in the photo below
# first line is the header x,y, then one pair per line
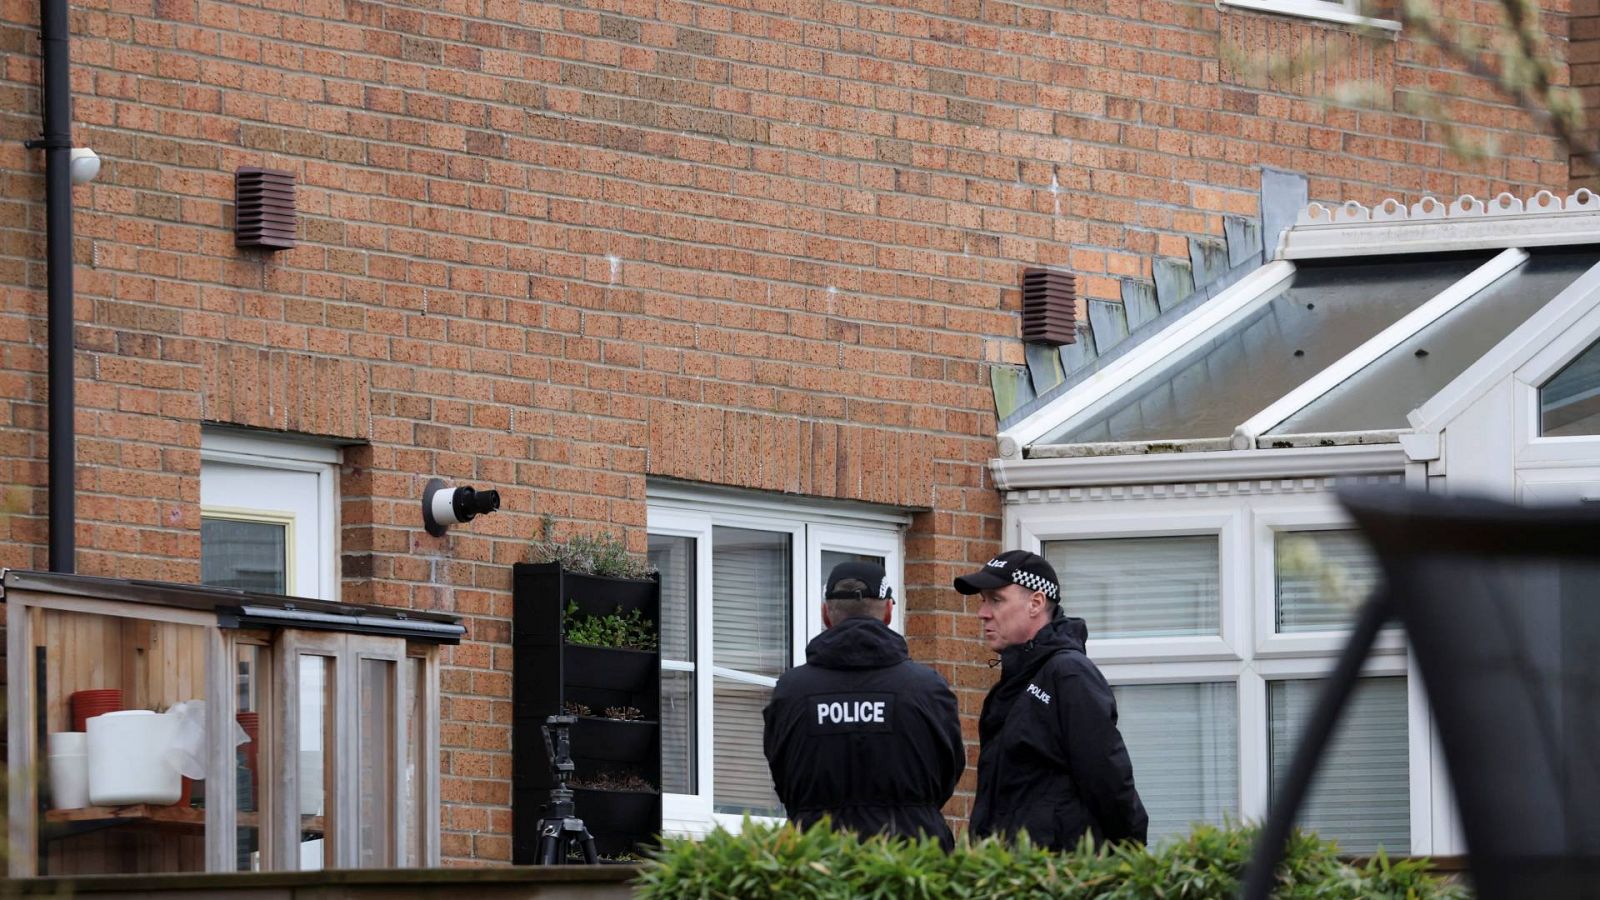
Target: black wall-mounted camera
x,y
443,506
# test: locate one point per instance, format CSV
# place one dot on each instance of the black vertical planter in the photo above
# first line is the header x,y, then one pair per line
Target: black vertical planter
x,y
547,672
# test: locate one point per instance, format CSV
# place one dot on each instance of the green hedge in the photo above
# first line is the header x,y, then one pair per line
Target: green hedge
x,y
793,865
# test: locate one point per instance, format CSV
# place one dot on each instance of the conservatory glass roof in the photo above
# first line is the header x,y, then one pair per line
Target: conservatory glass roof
x,y
1322,312
1360,320
1421,365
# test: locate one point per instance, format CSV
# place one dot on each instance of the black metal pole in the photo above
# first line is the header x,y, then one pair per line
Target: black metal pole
x,y
1336,691
57,143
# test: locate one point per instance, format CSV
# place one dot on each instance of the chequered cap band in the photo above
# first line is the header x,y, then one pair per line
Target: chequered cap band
x,y
1034,582
883,589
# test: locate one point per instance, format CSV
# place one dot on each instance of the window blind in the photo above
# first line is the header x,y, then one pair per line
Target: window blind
x,y
752,578
673,558
1361,795
1184,743
1140,587
1322,576
248,556
743,783
677,733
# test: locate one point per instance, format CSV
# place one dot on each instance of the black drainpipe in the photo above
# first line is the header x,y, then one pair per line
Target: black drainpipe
x,y
57,144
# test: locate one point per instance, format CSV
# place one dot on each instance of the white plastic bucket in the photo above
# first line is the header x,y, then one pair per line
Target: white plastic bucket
x,y
69,769
127,759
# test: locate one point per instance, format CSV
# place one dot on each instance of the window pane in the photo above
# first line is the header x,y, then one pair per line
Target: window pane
x,y
1569,404
1380,395
1361,795
316,758
743,783
1322,576
678,773
1184,742
252,680
1140,587
673,558
375,737
1324,312
248,556
751,585
414,672
831,558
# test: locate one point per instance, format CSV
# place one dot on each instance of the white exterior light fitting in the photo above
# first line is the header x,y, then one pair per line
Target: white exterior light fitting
x,y
84,165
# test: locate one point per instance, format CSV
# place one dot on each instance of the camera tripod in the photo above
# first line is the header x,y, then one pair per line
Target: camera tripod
x,y
561,832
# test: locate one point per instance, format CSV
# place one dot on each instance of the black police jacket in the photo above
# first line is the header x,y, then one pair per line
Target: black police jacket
x,y
862,734
1050,759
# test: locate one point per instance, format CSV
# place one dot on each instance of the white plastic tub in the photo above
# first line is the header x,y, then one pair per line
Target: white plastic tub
x,y
127,759
69,769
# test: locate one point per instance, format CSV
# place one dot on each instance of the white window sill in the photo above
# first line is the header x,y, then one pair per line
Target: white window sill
x,y
1312,9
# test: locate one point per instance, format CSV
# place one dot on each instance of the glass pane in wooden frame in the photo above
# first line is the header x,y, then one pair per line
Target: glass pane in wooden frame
x,y
376,736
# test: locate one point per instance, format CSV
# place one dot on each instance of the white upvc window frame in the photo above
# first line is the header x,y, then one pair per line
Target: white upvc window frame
x,y
682,511
320,462
1533,448
820,538
1189,519
1347,12
690,813
1252,654
1269,642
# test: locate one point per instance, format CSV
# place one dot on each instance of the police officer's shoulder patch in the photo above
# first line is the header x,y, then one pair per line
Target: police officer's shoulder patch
x,y
851,711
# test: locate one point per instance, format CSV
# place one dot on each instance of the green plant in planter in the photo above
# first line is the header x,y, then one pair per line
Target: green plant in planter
x,y
602,555
613,781
1207,864
626,632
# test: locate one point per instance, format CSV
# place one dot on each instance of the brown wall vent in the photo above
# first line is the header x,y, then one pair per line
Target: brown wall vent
x,y
1049,307
264,213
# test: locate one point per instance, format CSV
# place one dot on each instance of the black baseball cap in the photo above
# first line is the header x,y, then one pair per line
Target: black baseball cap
x,y
870,574
1030,570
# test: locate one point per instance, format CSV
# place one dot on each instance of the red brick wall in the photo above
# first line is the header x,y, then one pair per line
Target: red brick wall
x,y
559,249
1584,57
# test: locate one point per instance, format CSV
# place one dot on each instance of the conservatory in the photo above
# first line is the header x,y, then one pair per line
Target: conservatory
x,y
1184,489
316,722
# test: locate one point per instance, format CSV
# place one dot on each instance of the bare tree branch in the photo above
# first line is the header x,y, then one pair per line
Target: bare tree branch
x,y
1535,99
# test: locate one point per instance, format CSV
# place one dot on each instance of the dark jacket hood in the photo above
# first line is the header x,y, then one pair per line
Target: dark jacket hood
x,y
1062,632
859,642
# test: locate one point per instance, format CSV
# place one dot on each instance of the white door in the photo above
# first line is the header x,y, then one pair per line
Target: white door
x,y
266,517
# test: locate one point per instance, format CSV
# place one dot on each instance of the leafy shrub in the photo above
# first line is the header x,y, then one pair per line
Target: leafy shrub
x,y
586,555
631,631
821,864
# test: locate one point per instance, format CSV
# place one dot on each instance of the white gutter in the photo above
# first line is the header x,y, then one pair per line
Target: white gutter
x,y
1244,437
1220,465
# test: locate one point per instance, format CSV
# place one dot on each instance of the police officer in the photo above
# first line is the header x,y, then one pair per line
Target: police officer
x,y
860,733
1050,758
